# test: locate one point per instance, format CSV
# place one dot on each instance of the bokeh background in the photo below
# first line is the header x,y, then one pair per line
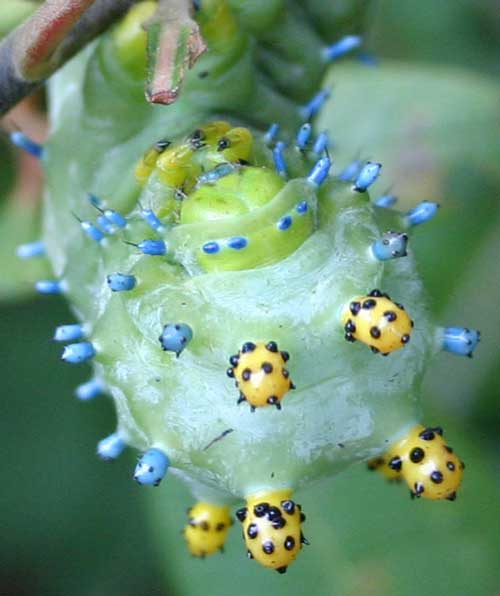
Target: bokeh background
x,y
73,526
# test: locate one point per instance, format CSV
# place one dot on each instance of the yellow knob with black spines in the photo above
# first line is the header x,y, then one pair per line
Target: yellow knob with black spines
x,y
208,527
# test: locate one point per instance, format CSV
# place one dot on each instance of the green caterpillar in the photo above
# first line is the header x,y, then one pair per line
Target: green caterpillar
x,y
217,268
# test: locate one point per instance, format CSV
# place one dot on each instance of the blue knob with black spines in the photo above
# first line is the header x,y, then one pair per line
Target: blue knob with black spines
x,y
78,352
367,176
151,467
111,447
460,340
121,282
175,337
422,213
69,332
392,245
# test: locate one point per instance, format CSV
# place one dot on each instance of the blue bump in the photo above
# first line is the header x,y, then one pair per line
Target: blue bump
x,y
302,207
311,108
303,135
237,242
110,447
69,332
285,222
211,248
175,337
79,352
271,133
93,232
460,340
341,48
105,225
152,467
392,245
321,144
49,286
367,176
351,171
319,172
115,218
19,139
152,247
31,250
220,170
90,390
368,58
279,158
423,212
152,220
386,201
120,282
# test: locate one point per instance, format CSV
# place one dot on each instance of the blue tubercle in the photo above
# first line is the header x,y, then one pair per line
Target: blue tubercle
x,y
31,250
153,221
92,231
271,133
152,467
368,58
279,158
115,218
320,171
284,223
120,282
460,340
367,176
220,170
301,207
105,225
110,447
49,286
69,332
79,352
211,248
151,247
423,212
237,242
392,245
386,201
19,139
175,337
90,390
321,144
341,47
303,136
351,171
310,109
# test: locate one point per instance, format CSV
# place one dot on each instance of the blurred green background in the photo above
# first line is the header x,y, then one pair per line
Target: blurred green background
x,y
71,525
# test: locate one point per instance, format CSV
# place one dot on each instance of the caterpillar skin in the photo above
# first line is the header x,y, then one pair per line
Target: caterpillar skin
x,y
218,296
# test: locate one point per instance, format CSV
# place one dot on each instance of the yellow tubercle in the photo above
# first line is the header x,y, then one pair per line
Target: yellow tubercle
x,y
272,528
378,322
208,527
260,374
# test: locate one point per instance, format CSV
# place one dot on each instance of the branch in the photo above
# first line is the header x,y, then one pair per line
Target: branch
x,y
55,33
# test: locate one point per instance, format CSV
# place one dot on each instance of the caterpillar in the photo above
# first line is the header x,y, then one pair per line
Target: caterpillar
x,y
257,319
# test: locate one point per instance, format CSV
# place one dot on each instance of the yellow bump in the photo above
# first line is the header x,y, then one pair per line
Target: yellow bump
x,y
175,165
207,530
272,528
260,373
378,322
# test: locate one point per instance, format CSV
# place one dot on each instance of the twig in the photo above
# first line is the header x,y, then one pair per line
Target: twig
x,y
174,45
57,31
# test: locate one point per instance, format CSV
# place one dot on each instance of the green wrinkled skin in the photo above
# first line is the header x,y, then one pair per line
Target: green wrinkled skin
x,y
349,404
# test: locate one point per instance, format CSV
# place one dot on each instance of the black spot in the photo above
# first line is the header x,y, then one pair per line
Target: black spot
x,y
395,463
448,448
261,509
436,477
267,367
354,307
374,349
405,338
204,526
285,373
273,513
304,540
223,143
285,355
417,455
418,488
252,531
350,337
450,465
302,517
268,547
248,347
375,293
452,496
219,527
241,399
289,543
272,346
369,303
427,434
203,74
192,523
197,138
375,332
278,523
400,306
230,372
241,514
350,327
249,555
438,430
272,400
390,315
246,374
375,463
292,386
281,570
462,465
341,445
177,327
234,360
162,144
288,506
